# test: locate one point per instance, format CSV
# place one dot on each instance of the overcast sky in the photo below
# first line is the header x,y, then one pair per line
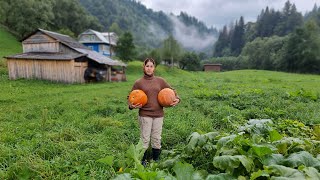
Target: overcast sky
x,y
217,13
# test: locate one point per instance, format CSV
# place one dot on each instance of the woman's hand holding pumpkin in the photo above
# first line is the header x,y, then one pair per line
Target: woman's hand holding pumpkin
x,y
135,106
175,102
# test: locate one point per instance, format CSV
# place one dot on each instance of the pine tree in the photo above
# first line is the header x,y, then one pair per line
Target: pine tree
x,y
125,47
222,42
237,40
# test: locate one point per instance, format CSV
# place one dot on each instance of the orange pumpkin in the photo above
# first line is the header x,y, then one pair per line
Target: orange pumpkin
x,y
166,97
138,97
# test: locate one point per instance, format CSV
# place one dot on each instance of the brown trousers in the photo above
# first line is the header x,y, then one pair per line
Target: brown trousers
x,y
151,128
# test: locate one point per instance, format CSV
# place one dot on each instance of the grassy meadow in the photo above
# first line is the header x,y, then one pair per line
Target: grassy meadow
x,y
60,131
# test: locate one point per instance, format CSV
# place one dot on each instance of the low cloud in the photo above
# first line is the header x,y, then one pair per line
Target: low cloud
x,y
218,13
189,37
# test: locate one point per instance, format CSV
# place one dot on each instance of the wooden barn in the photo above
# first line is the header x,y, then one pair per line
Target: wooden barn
x,y
212,67
56,57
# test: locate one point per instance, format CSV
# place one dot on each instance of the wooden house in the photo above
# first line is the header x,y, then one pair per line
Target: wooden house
x,y
101,42
212,67
56,57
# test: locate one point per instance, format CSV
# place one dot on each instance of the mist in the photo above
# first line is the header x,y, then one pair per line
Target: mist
x,y
188,36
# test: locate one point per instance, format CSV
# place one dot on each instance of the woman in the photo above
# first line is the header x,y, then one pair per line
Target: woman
x,y
151,114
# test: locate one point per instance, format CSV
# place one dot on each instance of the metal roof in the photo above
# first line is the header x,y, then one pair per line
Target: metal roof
x,y
102,36
100,58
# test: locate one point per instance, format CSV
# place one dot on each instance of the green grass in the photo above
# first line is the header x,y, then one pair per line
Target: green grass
x,y
58,131
9,45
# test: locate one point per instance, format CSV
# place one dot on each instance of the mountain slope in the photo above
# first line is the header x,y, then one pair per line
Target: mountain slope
x,y
148,27
8,43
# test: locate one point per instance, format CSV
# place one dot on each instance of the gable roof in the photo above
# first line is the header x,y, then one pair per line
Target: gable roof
x,y
73,44
102,36
64,39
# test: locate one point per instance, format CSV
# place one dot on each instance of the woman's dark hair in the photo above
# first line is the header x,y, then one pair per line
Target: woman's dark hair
x,y
149,60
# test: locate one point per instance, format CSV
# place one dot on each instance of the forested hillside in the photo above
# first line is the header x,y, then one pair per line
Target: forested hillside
x,y
65,16
72,17
150,28
282,40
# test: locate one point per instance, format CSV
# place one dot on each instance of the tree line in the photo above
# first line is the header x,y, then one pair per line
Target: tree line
x,y
64,16
282,40
279,40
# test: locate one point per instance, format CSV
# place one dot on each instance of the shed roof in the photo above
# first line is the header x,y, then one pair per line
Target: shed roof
x,y
100,58
71,43
45,55
212,64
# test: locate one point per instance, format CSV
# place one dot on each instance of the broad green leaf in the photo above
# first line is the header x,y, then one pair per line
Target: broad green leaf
x,y
311,173
147,175
125,176
135,153
257,126
302,158
246,162
259,173
261,150
229,163
272,159
316,131
107,160
202,140
193,140
161,175
225,140
212,135
184,171
274,135
205,138
169,163
227,151
282,172
287,143
259,121
200,174
222,176
197,175
209,147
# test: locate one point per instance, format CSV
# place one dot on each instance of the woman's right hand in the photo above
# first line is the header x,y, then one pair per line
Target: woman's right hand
x,y
135,106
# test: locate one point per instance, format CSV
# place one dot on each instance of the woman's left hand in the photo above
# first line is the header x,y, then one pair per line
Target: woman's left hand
x,y
175,102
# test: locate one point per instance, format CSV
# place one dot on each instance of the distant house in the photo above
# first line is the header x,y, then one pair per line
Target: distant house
x,y
212,67
57,57
101,42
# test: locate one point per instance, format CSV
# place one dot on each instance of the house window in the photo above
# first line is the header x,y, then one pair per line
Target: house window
x,y
85,37
92,38
91,47
105,48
